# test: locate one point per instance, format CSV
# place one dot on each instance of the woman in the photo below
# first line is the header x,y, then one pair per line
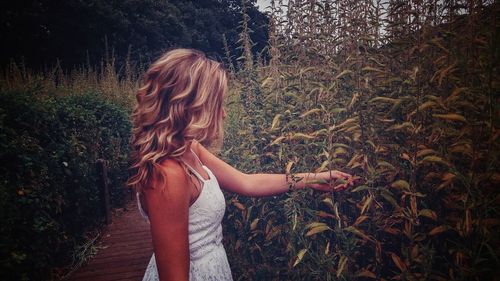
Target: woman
x,y
179,112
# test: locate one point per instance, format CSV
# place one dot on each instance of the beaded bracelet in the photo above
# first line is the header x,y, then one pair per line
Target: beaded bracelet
x,y
292,184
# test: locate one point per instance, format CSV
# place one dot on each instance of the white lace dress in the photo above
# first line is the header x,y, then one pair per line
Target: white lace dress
x,y
208,260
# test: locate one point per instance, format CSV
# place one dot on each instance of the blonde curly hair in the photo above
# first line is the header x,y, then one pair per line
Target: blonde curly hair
x,y
180,101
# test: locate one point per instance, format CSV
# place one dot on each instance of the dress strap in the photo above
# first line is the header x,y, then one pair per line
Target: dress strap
x,y
139,205
201,163
194,172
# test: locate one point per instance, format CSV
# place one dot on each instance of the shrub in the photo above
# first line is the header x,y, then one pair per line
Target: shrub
x,y
48,181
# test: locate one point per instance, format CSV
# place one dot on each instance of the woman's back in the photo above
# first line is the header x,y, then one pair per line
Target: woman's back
x,y
208,260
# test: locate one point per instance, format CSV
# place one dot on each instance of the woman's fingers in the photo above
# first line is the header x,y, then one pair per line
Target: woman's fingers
x,y
339,175
341,187
322,187
341,181
328,187
346,183
345,175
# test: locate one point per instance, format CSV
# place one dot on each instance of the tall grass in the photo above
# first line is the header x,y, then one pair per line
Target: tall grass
x,y
117,85
401,93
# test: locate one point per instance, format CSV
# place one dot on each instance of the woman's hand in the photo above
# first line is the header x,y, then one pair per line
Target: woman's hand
x,y
329,181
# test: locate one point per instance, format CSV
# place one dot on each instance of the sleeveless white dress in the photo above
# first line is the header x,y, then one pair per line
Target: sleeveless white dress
x,y
208,260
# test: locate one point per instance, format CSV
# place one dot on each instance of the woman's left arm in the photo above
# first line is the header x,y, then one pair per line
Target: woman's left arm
x,y
259,185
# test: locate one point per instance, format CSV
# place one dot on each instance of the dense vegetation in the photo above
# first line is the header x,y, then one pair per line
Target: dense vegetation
x,y
48,178
78,32
404,95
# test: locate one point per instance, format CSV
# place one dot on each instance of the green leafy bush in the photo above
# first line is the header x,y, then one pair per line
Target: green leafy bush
x,y
48,180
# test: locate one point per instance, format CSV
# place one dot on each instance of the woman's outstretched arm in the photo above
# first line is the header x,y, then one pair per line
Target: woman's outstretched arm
x,y
258,185
168,211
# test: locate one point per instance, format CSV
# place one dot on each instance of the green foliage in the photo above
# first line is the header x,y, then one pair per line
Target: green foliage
x,y
416,117
48,180
84,32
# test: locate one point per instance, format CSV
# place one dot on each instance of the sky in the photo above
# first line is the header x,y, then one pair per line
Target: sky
x,y
262,4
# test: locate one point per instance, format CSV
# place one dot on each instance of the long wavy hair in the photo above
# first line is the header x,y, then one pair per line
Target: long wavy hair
x,y
180,101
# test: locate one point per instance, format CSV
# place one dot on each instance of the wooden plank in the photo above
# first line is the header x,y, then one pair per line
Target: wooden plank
x,y
128,249
144,257
113,270
114,277
111,248
132,278
129,240
110,277
136,261
128,232
124,254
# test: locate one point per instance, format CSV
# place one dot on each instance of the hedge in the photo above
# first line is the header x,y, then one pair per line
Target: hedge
x,y
49,196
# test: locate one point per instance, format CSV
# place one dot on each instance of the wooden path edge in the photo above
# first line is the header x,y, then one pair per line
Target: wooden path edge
x,y
125,248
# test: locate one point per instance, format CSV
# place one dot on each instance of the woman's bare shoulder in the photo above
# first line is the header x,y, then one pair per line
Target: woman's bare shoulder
x,y
174,182
171,167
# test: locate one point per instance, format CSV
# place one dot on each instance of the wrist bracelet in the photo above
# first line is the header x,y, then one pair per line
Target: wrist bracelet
x,y
292,184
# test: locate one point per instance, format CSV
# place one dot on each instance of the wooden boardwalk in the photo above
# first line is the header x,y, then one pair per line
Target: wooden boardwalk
x,y
125,248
